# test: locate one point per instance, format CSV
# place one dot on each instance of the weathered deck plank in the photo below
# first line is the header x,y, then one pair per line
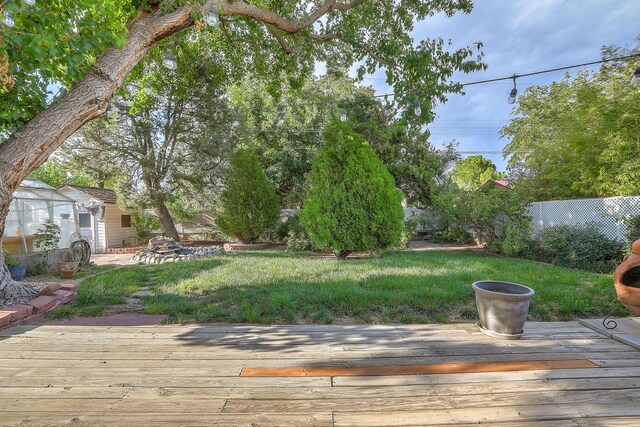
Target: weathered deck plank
x,y
173,375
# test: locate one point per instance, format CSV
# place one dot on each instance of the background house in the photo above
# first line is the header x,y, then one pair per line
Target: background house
x,y
35,202
100,220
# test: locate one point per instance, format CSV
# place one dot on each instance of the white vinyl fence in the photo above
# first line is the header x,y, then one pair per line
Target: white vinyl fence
x,y
606,214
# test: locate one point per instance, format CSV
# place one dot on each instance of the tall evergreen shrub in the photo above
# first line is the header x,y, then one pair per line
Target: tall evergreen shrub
x,y
249,204
352,203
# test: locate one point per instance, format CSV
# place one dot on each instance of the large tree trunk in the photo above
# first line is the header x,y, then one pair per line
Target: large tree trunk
x,y
168,225
32,145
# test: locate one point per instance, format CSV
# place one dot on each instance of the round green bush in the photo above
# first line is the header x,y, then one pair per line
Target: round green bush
x,y
352,203
590,250
249,204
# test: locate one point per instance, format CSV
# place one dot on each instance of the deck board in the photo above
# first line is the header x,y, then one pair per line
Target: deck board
x,y
172,375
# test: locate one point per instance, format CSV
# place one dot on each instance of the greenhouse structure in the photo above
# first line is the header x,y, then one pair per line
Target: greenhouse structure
x,y
34,202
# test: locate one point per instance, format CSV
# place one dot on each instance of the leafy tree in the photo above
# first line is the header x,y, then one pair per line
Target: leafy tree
x,y
496,216
287,147
249,204
352,203
473,172
86,49
578,137
56,173
165,137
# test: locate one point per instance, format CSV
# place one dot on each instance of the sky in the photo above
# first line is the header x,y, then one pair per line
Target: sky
x,y
519,36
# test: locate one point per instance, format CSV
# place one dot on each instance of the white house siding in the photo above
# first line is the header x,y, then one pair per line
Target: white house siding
x,y
116,234
97,237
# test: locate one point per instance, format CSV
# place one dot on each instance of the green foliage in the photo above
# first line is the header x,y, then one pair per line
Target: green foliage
x,y
57,44
553,239
588,249
53,43
578,137
352,203
9,259
633,228
46,240
287,149
249,204
144,225
408,232
473,172
491,214
297,238
57,173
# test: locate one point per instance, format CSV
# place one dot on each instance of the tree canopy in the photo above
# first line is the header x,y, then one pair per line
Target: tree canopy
x,y
578,137
473,172
54,44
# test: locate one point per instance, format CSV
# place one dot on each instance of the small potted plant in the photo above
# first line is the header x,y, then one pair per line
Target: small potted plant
x,y
16,269
67,267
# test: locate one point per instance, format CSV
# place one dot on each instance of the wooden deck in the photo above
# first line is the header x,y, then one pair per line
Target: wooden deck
x,y
193,375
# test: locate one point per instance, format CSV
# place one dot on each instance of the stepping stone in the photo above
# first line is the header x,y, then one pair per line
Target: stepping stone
x,y
142,294
70,287
134,301
42,304
50,288
17,311
64,296
5,318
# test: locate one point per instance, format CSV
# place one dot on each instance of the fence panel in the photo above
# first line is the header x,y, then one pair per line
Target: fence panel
x,y
606,214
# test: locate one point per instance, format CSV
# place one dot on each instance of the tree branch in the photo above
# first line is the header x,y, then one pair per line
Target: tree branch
x,y
283,43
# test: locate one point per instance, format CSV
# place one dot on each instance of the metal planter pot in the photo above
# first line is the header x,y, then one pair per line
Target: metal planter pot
x,y
502,308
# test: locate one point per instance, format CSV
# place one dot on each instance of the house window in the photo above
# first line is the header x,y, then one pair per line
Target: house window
x,y
84,220
125,221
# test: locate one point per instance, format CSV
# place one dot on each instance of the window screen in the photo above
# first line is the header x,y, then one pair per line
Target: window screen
x,y
85,220
125,221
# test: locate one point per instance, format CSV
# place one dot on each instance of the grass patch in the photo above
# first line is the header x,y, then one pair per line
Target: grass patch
x,y
407,287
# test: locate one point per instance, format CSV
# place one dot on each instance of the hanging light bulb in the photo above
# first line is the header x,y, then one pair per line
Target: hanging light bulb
x,y
343,115
513,94
635,80
30,2
7,19
416,108
170,61
211,17
236,121
99,106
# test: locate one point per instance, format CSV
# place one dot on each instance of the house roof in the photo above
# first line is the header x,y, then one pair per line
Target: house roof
x,y
105,195
500,183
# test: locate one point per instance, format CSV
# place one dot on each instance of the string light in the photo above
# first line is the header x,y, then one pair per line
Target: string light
x,y
211,17
635,80
7,19
514,92
343,115
170,61
416,108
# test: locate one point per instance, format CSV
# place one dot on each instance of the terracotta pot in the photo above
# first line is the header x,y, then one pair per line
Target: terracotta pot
x,y
67,269
626,279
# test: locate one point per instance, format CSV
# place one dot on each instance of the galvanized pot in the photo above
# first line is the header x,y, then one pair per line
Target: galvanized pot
x,y
502,308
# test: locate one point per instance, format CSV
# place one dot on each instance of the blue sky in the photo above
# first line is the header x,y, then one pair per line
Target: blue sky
x,y
519,36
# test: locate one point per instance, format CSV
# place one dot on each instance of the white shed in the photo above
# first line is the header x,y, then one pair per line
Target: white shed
x,y
100,219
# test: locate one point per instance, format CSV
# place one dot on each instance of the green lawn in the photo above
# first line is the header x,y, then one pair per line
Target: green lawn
x,y
279,287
